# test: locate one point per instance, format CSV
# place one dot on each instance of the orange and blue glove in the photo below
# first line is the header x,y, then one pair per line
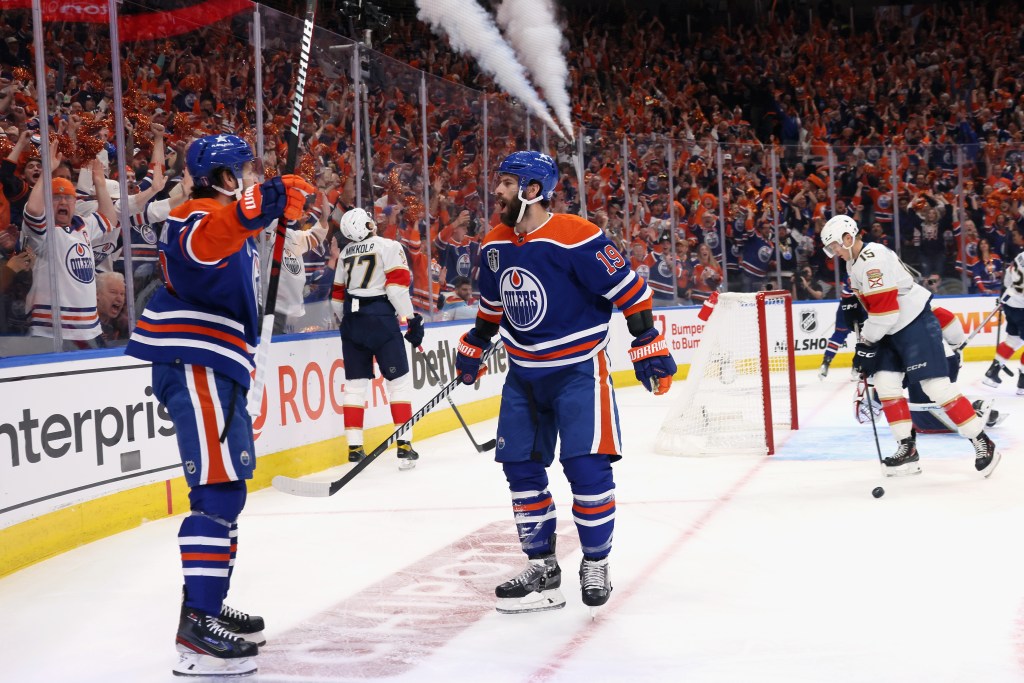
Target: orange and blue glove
x,y
469,358
279,197
652,362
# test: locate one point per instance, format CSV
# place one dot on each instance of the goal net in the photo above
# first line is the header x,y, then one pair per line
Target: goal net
x,y
741,387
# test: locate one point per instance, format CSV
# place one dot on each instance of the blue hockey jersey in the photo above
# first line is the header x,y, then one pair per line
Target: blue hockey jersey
x,y
552,291
207,313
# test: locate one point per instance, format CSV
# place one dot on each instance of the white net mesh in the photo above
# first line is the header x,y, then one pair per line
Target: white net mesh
x,y
722,407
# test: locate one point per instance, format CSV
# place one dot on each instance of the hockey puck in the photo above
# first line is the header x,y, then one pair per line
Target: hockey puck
x,y
878,492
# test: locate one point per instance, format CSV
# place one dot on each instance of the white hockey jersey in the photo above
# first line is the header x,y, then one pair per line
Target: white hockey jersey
x,y
76,276
1013,283
374,267
292,285
887,289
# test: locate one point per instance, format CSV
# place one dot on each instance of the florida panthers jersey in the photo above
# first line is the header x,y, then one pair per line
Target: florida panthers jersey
x,y
76,275
207,312
372,268
887,290
552,291
292,285
1013,283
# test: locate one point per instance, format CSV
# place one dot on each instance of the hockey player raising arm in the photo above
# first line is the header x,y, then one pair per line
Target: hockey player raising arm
x,y
901,337
548,283
200,331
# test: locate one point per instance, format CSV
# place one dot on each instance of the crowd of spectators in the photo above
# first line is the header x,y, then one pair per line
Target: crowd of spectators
x,y
711,159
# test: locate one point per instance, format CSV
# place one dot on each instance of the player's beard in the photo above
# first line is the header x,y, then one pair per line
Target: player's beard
x,y
510,213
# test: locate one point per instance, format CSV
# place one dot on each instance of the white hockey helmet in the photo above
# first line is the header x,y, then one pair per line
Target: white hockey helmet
x,y
356,225
833,232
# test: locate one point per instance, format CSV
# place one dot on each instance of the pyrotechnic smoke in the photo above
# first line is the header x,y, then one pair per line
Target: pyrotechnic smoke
x,y
531,28
471,29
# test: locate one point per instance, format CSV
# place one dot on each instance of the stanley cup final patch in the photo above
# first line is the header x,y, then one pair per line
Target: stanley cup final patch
x,y
492,260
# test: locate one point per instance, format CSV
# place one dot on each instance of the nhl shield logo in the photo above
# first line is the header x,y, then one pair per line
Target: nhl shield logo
x,y
492,260
808,320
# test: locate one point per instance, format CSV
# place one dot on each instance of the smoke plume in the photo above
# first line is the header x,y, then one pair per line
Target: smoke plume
x,y
472,30
531,28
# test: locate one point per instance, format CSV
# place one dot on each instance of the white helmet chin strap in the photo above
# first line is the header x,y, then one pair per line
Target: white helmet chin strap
x,y
525,203
235,194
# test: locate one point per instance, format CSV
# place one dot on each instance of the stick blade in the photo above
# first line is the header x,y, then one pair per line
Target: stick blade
x,y
298,487
489,446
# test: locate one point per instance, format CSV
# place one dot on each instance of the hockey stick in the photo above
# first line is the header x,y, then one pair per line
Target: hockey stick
x,y
871,411
980,327
255,399
323,489
479,449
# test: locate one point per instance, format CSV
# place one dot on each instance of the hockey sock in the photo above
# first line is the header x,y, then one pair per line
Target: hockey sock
x,y
1003,352
352,412
532,506
961,412
593,508
233,537
400,396
897,413
207,545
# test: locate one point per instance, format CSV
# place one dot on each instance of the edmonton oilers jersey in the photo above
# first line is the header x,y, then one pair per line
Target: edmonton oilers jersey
x,y
76,275
207,312
552,291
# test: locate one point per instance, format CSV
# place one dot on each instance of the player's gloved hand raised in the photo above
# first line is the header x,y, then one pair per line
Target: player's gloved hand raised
x,y
652,363
414,334
865,358
853,313
281,196
470,356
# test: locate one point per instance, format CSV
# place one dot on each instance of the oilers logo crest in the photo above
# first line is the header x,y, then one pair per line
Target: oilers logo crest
x,y
291,263
665,268
79,262
463,266
523,297
643,271
765,254
147,233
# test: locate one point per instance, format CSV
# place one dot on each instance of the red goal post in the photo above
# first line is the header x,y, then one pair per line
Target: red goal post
x,y
741,386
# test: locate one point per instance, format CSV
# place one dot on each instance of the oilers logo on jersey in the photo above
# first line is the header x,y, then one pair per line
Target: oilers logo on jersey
x,y
463,266
664,269
524,298
79,262
147,232
643,271
765,254
291,263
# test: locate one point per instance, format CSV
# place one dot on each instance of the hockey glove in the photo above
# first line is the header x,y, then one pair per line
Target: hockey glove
x,y
652,363
470,356
865,359
282,196
414,335
853,313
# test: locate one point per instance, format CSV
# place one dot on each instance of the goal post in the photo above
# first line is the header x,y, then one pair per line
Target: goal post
x,y
740,390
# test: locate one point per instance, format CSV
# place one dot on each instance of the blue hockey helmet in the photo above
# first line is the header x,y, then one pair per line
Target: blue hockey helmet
x,y
532,167
211,152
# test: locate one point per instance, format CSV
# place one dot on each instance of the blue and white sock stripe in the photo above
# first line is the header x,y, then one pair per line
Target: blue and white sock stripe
x,y
594,510
535,518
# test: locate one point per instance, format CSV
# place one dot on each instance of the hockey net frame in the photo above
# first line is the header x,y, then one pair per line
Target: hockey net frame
x,y
687,427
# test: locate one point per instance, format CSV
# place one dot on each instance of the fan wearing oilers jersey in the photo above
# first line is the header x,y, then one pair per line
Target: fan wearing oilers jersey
x,y
371,286
548,283
200,332
901,338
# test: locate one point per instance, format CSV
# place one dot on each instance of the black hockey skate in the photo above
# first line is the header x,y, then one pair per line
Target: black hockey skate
x,y
992,378
595,583
246,626
1020,383
207,648
356,454
536,589
905,461
407,457
986,457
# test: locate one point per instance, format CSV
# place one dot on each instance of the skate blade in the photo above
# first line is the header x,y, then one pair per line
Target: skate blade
x,y
405,465
987,472
991,383
195,664
534,602
908,470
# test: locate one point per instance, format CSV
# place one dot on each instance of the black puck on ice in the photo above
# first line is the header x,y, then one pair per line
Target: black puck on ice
x,y
878,492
